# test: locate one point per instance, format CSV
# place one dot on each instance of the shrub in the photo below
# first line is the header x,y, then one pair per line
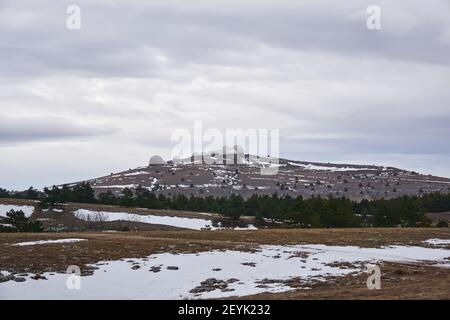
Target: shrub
x,y
20,223
442,224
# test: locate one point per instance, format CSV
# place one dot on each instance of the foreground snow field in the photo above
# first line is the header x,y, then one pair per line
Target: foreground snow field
x,y
218,274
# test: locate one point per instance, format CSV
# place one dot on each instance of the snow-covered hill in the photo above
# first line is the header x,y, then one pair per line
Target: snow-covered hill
x,y
244,175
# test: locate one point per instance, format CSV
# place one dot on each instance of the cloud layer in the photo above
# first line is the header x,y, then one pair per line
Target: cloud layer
x,y
137,70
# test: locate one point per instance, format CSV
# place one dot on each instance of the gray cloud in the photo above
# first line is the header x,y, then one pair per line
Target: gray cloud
x,y
117,36
29,129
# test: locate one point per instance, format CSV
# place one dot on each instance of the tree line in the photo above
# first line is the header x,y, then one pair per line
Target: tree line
x,y
314,212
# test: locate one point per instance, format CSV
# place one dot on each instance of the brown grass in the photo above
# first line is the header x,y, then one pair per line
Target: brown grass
x,y
370,237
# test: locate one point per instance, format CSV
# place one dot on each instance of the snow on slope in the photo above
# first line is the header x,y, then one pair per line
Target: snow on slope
x,y
118,186
328,168
5,208
187,223
244,273
137,173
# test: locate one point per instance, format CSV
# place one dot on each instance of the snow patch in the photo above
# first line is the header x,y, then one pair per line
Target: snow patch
x,y
7,225
138,173
5,208
328,168
437,242
117,186
32,243
179,222
249,227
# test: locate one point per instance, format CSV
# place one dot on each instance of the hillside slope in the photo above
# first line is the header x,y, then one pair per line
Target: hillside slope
x,y
293,178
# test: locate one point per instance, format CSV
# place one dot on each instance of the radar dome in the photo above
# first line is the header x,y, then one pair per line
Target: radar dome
x,y
155,160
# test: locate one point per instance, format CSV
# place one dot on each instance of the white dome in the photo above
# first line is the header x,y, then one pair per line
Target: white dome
x,y
156,160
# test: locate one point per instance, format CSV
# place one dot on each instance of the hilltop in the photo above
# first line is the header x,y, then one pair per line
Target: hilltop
x,y
208,177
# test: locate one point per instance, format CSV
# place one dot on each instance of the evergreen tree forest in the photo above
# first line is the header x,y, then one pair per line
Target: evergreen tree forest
x,y
315,212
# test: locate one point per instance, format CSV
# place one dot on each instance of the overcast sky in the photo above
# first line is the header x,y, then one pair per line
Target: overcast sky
x,y
78,104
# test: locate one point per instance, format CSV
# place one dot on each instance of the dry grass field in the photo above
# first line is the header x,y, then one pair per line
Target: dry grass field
x,y
269,263
399,280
